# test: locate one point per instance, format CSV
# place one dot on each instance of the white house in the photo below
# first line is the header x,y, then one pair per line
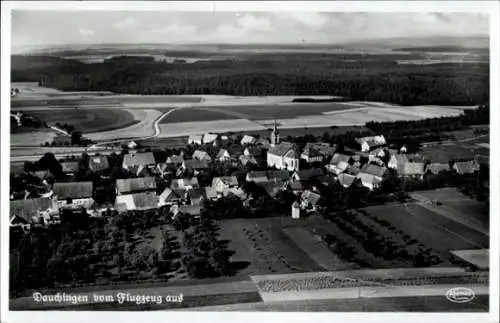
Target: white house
x,y
283,156
248,140
223,155
195,140
210,138
138,159
338,164
137,201
201,155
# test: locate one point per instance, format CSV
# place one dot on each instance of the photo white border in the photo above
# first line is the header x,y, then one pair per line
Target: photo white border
x,y
490,7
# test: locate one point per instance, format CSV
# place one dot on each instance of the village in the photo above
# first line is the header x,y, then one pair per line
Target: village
x,y
182,182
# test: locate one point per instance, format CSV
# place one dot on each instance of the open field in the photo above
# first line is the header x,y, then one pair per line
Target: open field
x,y
143,128
35,138
315,248
89,120
443,153
385,304
477,257
191,128
456,207
193,115
433,230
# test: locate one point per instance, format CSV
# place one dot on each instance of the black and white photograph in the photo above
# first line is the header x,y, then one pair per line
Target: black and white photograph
x,y
217,157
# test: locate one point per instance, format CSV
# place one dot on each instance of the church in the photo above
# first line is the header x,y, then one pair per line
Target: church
x,y
282,155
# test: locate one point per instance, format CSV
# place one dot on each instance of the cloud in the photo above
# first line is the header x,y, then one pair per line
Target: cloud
x,y
86,32
125,23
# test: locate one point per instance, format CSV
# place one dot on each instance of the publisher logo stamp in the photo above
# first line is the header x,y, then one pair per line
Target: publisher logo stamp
x,y
460,295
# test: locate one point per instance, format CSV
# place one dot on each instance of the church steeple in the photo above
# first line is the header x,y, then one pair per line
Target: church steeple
x,y
275,135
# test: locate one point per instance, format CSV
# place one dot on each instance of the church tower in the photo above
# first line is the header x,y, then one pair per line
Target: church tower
x,y
275,135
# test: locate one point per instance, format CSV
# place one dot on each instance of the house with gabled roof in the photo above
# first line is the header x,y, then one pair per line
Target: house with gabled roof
x,y
201,155
263,143
257,176
283,156
371,142
98,163
346,180
248,160
465,167
210,138
185,184
195,166
307,174
224,182
338,163
411,169
195,140
170,197
436,168
248,140
74,194
317,151
211,193
369,181
135,185
138,201
27,212
132,160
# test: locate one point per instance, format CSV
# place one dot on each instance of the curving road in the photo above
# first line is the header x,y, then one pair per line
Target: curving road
x,y
156,129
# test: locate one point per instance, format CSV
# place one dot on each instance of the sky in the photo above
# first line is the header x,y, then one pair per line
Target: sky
x,y
96,27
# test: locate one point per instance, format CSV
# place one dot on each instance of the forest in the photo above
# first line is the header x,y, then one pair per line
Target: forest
x,y
358,77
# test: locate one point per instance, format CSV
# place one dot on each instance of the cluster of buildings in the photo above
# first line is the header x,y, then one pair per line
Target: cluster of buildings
x,y
366,166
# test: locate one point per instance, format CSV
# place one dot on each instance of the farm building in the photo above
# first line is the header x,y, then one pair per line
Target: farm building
x,y
195,140
346,180
436,168
225,182
138,159
170,197
338,163
247,140
257,176
411,169
135,185
138,201
283,156
248,159
295,210
185,184
98,163
307,174
31,211
370,143
201,155
74,194
465,167
70,168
